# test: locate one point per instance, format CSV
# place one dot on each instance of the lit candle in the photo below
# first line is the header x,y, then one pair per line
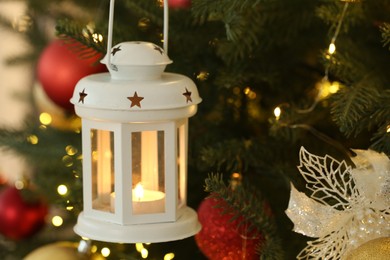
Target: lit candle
x,y
144,201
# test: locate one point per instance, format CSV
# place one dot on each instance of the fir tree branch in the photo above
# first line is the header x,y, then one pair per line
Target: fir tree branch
x,y
245,201
351,107
72,32
385,29
145,9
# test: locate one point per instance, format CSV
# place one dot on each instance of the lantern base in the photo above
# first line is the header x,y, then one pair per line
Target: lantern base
x,y
185,226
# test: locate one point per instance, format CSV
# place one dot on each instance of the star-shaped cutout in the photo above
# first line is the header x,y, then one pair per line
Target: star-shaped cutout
x,y
82,96
187,94
135,100
115,50
158,48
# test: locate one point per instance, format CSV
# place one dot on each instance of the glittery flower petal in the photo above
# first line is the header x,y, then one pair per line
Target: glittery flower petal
x,y
372,177
312,218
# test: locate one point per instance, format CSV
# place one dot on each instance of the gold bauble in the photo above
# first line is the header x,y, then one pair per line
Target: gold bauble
x,y
57,251
376,249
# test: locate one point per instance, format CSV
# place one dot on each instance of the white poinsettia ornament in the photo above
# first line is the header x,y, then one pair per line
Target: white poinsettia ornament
x,y
348,206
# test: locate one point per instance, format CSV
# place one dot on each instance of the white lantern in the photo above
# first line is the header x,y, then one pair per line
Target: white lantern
x,y
134,141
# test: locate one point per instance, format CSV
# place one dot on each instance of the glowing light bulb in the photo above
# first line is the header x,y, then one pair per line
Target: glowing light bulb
x,y
32,139
388,129
19,185
139,191
202,76
334,87
277,112
139,247
144,253
97,37
57,221
94,249
67,160
332,48
169,256
71,150
105,251
45,118
62,189
250,93
236,180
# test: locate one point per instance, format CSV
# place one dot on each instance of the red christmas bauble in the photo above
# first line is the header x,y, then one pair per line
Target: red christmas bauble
x,y
179,3
224,239
20,219
59,69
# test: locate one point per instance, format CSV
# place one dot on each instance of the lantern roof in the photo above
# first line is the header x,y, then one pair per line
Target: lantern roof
x,y
137,53
136,82
101,91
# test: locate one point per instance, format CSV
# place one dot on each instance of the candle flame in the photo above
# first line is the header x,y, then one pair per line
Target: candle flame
x,y
139,191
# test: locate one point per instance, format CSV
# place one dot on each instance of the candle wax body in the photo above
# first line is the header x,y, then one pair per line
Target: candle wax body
x,y
151,202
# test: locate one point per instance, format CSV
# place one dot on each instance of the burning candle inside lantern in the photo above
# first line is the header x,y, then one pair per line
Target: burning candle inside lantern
x,y
144,112
144,201
138,192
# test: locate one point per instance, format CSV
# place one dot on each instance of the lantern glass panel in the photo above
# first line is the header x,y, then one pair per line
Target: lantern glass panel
x,y
103,175
148,172
181,165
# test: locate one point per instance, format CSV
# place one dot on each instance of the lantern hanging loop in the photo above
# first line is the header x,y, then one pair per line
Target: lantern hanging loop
x,y
111,24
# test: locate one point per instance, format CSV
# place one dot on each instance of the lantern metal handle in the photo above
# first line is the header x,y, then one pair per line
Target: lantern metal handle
x,y
110,29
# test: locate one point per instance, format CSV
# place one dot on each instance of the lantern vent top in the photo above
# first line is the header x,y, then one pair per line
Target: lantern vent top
x,y
136,60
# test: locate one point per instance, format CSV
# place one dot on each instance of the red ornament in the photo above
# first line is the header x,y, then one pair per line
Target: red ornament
x,y
59,69
179,3
221,238
20,219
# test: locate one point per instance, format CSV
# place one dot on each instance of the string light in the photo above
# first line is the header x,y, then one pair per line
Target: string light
x,y
67,160
332,45
45,118
236,180
32,139
326,88
94,248
144,23
277,112
323,91
139,247
97,37
250,93
388,129
169,256
62,189
142,250
334,87
71,150
144,253
202,76
19,185
57,221
332,48
105,251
